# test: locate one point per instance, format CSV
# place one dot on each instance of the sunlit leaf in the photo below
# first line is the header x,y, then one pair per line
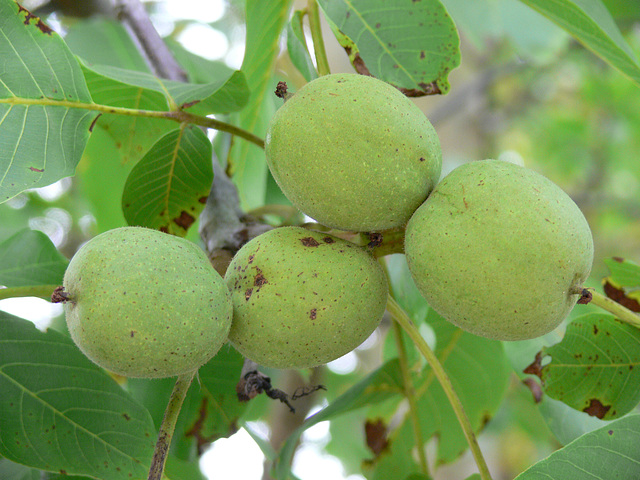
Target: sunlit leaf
x,y
60,412
167,189
607,453
42,136
596,367
591,24
412,45
30,258
624,272
224,95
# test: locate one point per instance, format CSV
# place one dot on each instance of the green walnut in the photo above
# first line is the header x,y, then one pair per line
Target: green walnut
x,y
142,303
353,153
499,250
303,298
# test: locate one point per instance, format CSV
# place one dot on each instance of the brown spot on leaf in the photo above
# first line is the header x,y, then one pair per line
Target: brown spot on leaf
x,y
618,259
39,23
202,200
34,169
610,432
618,295
376,435
164,229
358,63
185,220
312,313
425,89
309,242
422,55
595,330
133,332
536,367
126,417
597,409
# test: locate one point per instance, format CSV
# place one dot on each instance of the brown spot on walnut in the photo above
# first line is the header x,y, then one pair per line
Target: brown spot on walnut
x,y
309,242
313,313
247,293
259,279
328,240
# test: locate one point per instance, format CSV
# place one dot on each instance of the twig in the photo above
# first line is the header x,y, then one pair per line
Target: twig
x,y
134,17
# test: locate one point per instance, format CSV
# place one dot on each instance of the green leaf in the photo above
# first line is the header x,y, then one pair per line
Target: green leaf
x,y
167,189
412,45
42,136
226,94
211,409
591,24
30,258
60,412
479,372
105,42
382,384
198,69
264,22
611,452
624,272
596,367
297,48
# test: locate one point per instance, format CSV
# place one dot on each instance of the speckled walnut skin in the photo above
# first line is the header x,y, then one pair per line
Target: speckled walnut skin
x,y
353,153
303,298
496,250
145,303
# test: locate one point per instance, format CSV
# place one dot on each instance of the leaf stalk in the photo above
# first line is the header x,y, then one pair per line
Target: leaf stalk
x,y
179,116
621,312
168,425
400,316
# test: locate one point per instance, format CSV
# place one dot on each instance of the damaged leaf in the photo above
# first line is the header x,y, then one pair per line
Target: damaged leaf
x,y
595,368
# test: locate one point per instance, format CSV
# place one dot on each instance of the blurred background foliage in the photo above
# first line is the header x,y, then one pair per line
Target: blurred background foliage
x,y
525,91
